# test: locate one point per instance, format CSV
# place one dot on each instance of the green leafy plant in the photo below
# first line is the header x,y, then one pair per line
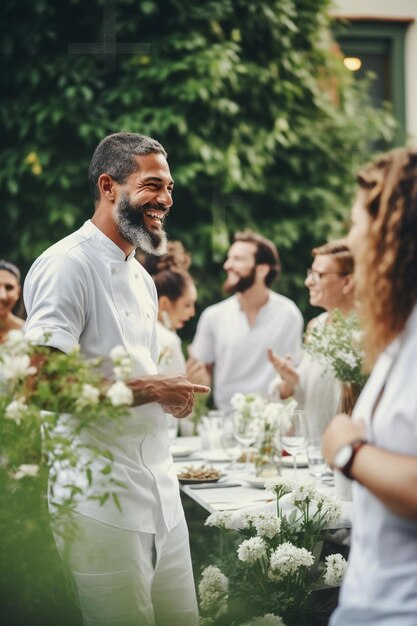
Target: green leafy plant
x,y
47,400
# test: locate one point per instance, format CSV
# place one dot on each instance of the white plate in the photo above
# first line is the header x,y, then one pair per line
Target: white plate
x,y
180,451
254,481
214,456
287,461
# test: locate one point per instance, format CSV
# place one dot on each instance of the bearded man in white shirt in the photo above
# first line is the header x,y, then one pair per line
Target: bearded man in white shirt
x,y
233,336
130,566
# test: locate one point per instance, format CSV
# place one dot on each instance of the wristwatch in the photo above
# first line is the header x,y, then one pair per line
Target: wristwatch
x,y
343,458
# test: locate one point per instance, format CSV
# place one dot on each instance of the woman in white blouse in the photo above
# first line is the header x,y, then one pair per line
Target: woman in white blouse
x,y
330,285
377,449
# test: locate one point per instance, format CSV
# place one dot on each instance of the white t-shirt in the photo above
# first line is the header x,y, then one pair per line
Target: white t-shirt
x,y
380,586
84,291
239,351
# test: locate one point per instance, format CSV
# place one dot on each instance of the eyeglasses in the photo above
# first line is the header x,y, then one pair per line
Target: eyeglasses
x,y
317,276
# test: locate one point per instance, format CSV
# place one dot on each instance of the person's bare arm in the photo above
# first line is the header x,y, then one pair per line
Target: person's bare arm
x,y
390,476
175,392
288,373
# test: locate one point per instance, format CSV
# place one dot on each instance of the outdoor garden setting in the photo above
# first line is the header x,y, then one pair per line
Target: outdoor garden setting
x,y
204,259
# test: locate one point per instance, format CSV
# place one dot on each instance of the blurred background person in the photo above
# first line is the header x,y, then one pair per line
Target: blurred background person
x,y
233,336
377,449
177,296
10,289
316,389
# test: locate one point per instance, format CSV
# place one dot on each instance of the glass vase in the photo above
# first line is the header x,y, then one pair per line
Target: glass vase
x,y
267,456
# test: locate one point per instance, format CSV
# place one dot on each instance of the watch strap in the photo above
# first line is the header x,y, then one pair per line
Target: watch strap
x,y
356,445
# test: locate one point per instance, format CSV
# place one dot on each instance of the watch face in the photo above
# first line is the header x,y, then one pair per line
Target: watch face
x,y
343,456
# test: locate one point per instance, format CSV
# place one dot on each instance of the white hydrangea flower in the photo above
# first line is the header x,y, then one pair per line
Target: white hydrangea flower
x,y
269,619
219,519
15,367
90,396
119,394
279,483
329,506
287,559
303,492
252,549
16,410
122,363
335,569
266,525
26,470
212,590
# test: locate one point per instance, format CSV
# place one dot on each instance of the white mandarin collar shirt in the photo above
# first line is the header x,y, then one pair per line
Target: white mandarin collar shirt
x,y
83,290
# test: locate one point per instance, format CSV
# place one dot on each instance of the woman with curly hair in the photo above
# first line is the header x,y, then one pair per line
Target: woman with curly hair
x,y
377,449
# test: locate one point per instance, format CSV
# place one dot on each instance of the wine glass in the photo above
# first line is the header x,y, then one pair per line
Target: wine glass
x,y
229,442
294,436
245,430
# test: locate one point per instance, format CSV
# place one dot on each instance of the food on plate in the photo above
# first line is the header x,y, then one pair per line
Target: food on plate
x,y
199,473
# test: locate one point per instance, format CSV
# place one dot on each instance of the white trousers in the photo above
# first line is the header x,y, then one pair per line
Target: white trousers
x,y
127,578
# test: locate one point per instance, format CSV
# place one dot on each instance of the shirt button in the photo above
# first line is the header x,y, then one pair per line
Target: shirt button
x,y
136,275
127,313
113,270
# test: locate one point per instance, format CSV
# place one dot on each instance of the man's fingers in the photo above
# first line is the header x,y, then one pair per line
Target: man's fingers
x,y
201,389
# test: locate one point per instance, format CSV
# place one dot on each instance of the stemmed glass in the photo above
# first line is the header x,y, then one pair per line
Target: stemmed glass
x,y
229,442
245,430
294,436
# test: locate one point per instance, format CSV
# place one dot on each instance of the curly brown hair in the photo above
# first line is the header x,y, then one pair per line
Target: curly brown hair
x,y
387,282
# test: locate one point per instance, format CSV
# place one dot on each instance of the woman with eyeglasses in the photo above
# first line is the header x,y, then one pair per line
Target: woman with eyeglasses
x,y
10,289
377,449
330,283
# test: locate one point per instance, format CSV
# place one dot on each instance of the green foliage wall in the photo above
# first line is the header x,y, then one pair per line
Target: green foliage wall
x,y
263,125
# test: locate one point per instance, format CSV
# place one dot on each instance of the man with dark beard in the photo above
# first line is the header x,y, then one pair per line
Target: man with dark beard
x,y
233,336
130,566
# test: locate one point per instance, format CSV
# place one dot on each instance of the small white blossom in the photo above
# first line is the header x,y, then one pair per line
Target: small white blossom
x,y
15,338
119,394
219,519
90,396
118,353
269,619
252,549
329,506
16,410
279,484
303,492
26,470
335,569
16,367
212,590
238,401
266,525
348,358
287,559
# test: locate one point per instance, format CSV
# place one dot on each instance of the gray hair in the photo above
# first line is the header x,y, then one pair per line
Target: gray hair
x,y
114,155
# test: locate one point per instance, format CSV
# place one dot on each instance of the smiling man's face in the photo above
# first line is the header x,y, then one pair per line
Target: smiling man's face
x,y
145,200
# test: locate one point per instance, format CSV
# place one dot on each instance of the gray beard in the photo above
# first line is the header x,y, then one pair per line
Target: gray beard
x,y
130,225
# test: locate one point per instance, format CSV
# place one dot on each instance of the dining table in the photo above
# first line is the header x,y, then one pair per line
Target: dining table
x,y
239,490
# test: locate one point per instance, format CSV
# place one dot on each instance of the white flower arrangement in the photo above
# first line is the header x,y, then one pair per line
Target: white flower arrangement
x,y
38,385
338,346
275,567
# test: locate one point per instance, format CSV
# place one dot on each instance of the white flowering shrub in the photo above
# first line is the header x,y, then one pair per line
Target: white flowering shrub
x,y
275,566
